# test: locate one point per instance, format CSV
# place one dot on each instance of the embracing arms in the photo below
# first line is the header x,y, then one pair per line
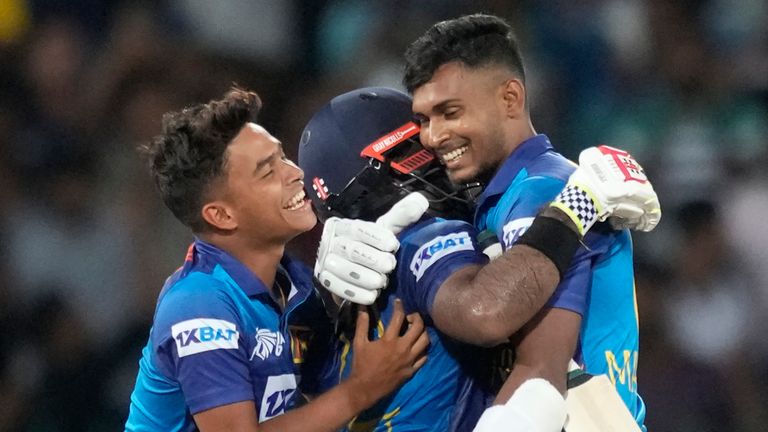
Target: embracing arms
x,y
378,368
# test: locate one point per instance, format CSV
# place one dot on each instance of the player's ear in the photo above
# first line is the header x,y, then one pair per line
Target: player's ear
x,y
514,94
219,215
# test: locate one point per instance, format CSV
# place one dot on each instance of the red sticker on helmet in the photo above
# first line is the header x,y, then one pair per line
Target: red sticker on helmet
x,y
377,148
413,162
320,188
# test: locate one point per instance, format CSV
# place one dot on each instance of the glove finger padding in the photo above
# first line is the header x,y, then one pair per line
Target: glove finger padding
x,y
369,233
360,253
652,215
357,274
355,256
347,266
650,220
346,237
641,211
627,211
622,223
346,290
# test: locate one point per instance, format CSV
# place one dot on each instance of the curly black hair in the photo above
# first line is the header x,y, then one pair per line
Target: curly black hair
x,y
475,40
190,153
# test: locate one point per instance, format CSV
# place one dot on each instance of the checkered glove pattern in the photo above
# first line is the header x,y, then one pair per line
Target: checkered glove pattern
x,y
578,205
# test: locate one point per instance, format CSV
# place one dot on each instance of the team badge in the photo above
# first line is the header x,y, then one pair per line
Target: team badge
x,y
267,343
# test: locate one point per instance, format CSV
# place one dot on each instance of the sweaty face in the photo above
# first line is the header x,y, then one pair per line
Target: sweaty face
x,y
264,189
461,111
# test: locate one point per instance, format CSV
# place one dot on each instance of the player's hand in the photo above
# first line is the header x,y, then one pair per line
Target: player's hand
x,y
610,184
380,366
355,256
536,406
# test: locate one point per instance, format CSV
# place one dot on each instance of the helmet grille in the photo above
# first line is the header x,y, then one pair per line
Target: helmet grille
x,y
413,162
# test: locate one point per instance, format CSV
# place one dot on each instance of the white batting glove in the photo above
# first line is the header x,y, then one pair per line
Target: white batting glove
x,y
536,406
355,256
609,184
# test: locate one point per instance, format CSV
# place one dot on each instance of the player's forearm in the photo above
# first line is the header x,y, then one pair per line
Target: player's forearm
x,y
523,372
327,413
486,307
543,349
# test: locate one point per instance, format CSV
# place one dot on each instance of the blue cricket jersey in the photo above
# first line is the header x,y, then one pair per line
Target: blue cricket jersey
x,y
218,338
599,285
443,395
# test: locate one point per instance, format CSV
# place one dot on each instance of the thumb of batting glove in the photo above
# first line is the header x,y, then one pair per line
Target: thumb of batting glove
x,y
355,256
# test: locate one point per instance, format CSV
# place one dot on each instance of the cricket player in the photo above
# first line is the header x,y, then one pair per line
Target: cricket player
x,y
362,155
467,79
225,352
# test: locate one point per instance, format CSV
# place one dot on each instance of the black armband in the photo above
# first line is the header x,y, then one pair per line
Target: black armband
x,y
554,239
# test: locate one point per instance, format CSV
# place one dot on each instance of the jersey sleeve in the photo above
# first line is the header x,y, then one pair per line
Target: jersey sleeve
x,y
517,209
198,339
517,212
573,291
430,253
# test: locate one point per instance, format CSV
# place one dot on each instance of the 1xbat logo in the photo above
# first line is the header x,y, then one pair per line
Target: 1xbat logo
x,y
439,247
204,334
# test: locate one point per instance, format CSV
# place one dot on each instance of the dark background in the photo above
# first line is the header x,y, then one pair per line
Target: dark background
x,y
85,243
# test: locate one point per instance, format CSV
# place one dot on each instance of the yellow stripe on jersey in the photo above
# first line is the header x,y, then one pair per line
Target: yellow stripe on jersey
x,y
16,20
344,355
380,329
634,298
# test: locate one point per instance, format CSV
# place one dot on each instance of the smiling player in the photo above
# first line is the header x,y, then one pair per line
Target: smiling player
x,y
220,355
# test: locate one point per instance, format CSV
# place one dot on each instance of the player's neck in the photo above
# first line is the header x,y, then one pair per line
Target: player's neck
x,y
261,259
519,134
516,133
263,262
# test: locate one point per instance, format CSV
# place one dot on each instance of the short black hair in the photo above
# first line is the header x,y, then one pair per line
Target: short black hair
x,y
190,152
475,40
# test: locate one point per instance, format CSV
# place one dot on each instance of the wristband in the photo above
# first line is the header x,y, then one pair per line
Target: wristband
x,y
579,205
554,239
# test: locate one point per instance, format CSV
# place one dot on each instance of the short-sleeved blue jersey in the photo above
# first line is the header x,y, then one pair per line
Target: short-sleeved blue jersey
x,y
442,395
599,285
218,338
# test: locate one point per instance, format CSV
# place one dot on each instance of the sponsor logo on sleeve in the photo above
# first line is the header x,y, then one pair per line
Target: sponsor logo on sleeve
x,y
514,229
204,334
267,343
438,248
277,396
